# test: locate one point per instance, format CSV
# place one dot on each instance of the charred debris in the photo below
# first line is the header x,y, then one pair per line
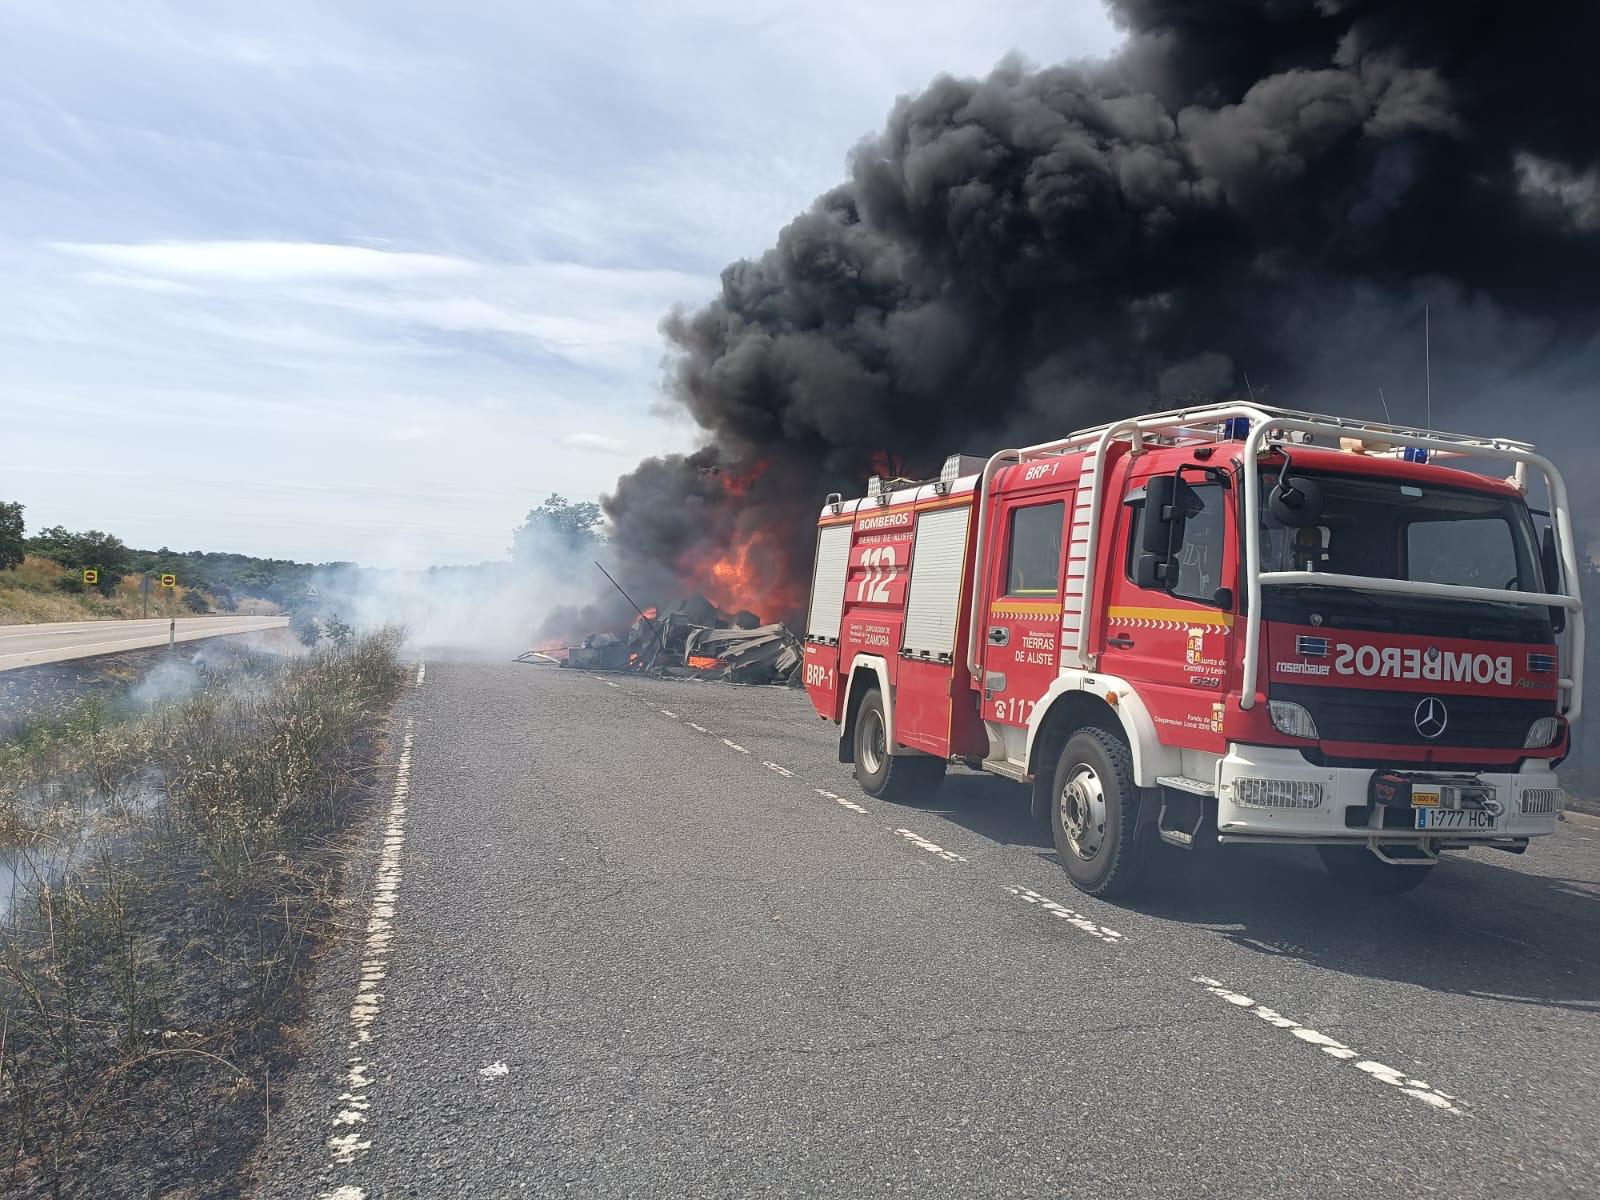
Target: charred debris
x,y
694,640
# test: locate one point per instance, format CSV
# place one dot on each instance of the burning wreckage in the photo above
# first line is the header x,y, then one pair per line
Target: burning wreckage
x,y
694,640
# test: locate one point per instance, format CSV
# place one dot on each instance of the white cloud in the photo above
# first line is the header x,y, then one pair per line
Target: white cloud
x,y
600,443
267,262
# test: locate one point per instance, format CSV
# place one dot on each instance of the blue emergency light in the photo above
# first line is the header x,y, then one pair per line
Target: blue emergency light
x,y
1235,429
1416,454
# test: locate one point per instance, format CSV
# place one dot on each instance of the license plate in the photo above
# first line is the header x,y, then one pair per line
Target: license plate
x,y
1424,799
1463,820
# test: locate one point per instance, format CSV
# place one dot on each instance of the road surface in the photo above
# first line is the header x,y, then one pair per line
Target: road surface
x,y
623,937
30,645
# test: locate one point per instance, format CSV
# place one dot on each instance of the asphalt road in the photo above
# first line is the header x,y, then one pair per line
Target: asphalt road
x,y
30,645
618,938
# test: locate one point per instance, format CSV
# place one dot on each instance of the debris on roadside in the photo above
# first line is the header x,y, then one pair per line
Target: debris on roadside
x,y
695,639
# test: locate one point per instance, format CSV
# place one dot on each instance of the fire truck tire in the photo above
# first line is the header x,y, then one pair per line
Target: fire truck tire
x,y
1094,814
897,778
1361,870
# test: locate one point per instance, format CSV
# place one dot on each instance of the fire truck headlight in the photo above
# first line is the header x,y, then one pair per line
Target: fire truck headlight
x,y
1542,733
1291,718
1277,793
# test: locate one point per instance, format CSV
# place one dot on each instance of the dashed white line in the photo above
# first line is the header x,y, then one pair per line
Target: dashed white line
x,y
1333,1048
734,746
840,800
422,672
667,712
916,839
701,728
609,683
494,1070
772,766
345,1147
1076,919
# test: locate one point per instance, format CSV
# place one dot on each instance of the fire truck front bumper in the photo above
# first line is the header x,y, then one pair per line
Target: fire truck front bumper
x,y
1273,794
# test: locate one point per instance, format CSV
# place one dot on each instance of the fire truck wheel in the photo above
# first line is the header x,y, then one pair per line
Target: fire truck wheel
x,y
898,778
1362,870
1094,813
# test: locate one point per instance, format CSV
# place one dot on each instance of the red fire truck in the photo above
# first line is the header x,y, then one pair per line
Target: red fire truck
x,y
1224,624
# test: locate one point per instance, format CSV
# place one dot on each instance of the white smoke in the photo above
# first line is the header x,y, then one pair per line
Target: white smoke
x,y
491,609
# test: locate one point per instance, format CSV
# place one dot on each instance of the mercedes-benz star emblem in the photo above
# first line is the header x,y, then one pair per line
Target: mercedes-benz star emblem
x,y
1431,717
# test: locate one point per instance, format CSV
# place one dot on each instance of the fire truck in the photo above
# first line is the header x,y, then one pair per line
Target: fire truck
x,y
1227,624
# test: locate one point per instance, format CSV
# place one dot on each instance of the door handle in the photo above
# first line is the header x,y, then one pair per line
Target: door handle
x,y
1121,641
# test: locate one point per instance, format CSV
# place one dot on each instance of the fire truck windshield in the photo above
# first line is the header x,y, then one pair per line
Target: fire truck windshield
x,y
1396,529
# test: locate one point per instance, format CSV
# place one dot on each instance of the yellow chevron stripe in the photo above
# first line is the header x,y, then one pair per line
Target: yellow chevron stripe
x,y
1025,608
1180,616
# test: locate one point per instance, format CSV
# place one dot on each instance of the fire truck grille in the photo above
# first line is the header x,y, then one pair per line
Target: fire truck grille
x,y
1389,718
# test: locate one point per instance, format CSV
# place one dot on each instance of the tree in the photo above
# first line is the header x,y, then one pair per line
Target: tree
x,y
337,632
304,627
12,545
194,601
557,524
89,549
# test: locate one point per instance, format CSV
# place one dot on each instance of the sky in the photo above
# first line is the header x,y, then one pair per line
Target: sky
x,y
367,281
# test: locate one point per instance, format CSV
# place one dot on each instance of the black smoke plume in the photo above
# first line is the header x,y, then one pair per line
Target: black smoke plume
x,y
1272,188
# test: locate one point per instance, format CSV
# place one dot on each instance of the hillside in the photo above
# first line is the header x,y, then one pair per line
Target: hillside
x,y
41,590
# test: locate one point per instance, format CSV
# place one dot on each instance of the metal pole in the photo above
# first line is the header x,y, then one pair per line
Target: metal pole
x,y
172,634
660,641
145,591
1427,363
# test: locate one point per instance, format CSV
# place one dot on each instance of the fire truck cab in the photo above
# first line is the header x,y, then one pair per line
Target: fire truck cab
x,y
1226,624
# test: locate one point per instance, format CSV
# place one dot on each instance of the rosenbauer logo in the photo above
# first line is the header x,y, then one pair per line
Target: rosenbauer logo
x,y
886,521
1432,664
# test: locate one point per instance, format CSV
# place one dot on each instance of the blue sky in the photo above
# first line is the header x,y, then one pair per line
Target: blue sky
x,y
367,280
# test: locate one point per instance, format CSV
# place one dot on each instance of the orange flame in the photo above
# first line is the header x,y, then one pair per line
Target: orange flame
x,y
701,662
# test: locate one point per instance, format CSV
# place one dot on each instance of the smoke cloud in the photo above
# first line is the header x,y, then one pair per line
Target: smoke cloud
x,y
1271,188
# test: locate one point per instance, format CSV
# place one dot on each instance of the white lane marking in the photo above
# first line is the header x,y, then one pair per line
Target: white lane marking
x,y
494,1070
701,728
1076,919
608,683
840,800
734,746
1332,1047
916,839
667,712
422,672
772,766
345,1147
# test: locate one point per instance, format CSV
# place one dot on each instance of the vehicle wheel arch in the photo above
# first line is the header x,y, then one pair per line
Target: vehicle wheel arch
x,y
866,672
1073,702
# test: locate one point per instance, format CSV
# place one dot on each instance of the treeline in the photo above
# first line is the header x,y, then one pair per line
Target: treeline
x,y
227,578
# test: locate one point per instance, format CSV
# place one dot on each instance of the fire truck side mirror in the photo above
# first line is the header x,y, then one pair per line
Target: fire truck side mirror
x,y
1549,559
1550,562
1166,509
1295,503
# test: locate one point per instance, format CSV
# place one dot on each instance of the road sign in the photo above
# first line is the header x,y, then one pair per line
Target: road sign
x,y
313,594
90,576
169,581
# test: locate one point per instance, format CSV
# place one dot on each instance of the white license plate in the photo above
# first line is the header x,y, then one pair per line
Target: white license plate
x,y
1460,820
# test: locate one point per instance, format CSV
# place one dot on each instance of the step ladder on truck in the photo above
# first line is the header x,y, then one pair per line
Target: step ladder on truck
x,y
1232,623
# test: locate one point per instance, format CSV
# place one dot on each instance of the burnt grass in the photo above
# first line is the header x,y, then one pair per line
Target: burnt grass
x,y
151,985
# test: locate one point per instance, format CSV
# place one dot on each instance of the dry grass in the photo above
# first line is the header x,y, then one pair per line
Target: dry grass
x,y
179,866
31,593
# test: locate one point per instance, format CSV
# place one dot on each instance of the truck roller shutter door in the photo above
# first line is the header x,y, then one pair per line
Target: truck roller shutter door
x,y
827,582
937,561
